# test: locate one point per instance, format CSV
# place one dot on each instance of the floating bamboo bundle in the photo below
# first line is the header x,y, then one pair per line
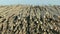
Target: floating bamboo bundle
x,y
29,19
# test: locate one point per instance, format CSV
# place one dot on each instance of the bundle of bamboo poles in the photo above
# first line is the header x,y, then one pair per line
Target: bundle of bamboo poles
x,y
29,19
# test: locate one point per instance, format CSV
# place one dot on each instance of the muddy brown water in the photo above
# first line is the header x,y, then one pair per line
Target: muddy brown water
x,y
29,19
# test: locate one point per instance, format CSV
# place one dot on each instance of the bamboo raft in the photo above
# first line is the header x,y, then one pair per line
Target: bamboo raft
x,y
29,19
